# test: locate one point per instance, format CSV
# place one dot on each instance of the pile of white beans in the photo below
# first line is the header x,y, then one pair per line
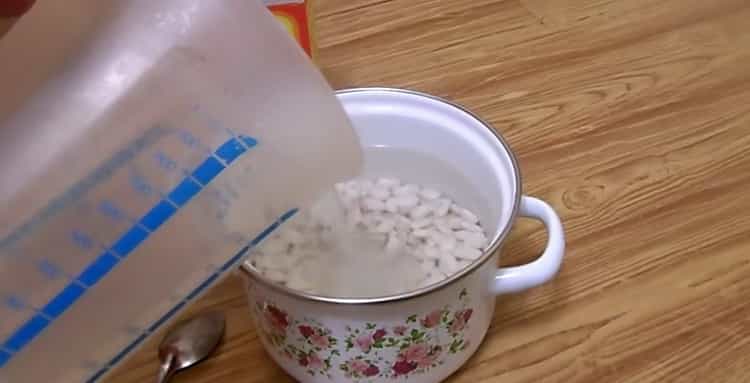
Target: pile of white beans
x,y
372,237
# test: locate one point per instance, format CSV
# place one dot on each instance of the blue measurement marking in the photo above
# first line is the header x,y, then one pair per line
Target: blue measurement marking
x,y
95,271
50,269
186,190
63,300
77,191
129,241
212,278
14,303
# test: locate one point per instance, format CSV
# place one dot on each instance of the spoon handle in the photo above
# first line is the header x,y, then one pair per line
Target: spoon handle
x,y
166,370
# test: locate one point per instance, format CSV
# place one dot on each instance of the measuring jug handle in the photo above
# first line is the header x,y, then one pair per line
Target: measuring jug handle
x,y
519,278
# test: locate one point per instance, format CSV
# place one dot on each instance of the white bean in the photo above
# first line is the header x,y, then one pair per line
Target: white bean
x,y
352,190
408,189
443,227
391,205
413,241
471,227
448,264
420,211
429,194
453,222
407,202
465,214
388,183
386,225
403,223
471,238
421,223
379,193
422,233
372,204
442,207
365,185
467,253
447,243
430,252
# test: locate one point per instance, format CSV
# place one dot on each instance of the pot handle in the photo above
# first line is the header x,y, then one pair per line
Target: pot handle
x,y
518,278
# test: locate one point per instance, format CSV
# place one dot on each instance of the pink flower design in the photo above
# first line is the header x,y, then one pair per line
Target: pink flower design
x,y
320,340
415,352
430,358
459,321
378,335
399,330
364,342
277,318
403,367
359,365
372,370
314,362
306,331
432,319
458,325
467,315
303,361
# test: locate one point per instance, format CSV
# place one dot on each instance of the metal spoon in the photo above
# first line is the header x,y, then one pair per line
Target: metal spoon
x,y
189,342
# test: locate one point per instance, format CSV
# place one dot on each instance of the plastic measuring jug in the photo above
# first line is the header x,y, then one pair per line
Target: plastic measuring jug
x,y
144,145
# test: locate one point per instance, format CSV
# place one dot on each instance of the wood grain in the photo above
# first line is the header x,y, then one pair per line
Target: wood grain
x,y
633,119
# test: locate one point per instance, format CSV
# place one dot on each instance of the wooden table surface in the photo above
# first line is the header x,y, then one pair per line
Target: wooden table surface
x,y
633,119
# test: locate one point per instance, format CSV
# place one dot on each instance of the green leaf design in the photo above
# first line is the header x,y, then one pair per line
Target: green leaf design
x,y
455,346
463,294
370,326
416,336
411,318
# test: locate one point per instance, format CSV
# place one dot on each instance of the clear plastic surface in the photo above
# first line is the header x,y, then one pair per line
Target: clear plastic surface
x,y
143,146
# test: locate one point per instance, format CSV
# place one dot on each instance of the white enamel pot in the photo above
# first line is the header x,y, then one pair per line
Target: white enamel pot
x,y
427,334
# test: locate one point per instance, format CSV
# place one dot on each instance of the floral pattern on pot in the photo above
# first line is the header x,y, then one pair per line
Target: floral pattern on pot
x,y
305,341
413,347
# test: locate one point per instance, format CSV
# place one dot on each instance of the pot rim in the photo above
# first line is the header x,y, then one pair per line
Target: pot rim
x,y
495,243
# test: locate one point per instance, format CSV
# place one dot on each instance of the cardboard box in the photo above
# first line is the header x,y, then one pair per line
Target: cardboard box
x,y
295,16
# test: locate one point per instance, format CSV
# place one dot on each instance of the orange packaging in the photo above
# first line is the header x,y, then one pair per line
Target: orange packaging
x,y
295,16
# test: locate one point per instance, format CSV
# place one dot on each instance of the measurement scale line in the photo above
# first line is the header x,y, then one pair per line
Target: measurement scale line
x,y
137,234
193,294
